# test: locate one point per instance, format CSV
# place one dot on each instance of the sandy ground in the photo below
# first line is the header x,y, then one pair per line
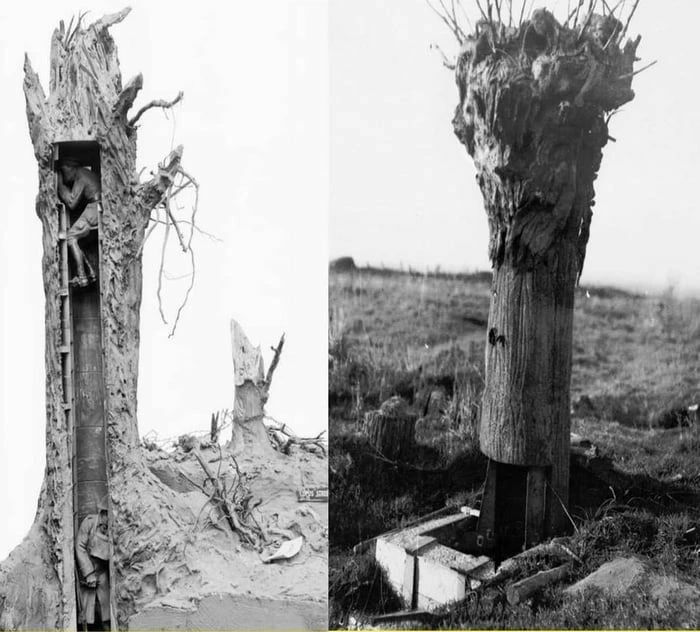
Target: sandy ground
x,y
228,585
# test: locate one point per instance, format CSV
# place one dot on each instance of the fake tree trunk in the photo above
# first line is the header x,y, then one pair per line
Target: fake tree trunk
x,y
87,102
532,114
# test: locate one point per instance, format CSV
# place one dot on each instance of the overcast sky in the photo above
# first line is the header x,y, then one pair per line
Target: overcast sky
x,y
403,188
254,124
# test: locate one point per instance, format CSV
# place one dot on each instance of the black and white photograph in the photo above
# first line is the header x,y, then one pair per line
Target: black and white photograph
x,y
513,315
163,441
349,314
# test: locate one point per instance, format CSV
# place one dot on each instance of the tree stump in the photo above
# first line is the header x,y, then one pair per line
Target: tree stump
x,y
391,429
248,433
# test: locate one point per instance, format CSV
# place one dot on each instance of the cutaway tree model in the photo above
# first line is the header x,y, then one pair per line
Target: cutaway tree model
x,y
535,98
169,546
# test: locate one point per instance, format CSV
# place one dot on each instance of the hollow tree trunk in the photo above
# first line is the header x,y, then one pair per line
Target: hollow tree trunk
x,y
87,102
532,111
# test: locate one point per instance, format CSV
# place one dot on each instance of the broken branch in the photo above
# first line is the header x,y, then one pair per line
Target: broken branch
x,y
271,370
157,103
127,96
524,589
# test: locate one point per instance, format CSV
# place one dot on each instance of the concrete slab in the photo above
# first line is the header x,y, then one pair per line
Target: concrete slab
x,y
437,584
425,572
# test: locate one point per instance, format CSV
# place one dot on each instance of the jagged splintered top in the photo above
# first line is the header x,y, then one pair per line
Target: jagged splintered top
x,y
532,114
583,67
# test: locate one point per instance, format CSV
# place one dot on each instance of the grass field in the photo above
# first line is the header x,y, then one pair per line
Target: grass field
x,y
635,372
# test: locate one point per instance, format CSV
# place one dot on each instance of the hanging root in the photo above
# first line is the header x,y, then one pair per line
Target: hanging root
x,y
179,182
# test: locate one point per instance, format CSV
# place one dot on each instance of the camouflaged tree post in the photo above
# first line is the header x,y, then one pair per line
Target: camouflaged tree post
x,y
87,102
532,114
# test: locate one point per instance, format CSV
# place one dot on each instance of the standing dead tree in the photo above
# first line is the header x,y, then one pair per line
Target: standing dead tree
x,y
87,104
252,389
535,97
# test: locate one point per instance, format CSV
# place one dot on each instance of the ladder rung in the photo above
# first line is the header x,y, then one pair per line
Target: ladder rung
x,y
64,349
61,235
63,291
67,406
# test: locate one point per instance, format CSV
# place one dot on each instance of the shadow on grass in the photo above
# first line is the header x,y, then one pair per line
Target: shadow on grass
x,y
370,495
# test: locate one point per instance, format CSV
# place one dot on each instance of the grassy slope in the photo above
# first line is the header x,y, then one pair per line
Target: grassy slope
x,y
634,358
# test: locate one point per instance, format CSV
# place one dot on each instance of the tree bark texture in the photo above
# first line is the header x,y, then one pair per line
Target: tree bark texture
x,y
87,102
391,430
533,102
248,432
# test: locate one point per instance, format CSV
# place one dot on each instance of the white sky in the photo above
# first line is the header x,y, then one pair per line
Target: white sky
x,y
403,188
254,123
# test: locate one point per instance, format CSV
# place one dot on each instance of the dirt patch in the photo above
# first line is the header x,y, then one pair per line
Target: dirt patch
x,y
217,579
226,612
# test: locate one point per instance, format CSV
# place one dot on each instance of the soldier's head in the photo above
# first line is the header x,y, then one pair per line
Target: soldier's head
x,y
69,168
102,509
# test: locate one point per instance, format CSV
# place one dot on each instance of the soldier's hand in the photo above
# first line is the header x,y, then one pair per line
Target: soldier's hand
x,y
91,580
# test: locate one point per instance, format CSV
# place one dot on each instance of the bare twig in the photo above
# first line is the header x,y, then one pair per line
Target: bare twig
x,y
448,22
498,11
621,3
563,506
169,213
168,196
201,231
464,15
483,13
461,35
629,19
273,365
156,103
445,60
529,13
195,205
636,72
574,14
187,294
522,13
160,271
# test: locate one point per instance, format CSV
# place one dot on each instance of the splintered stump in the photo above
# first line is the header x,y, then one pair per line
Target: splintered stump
x,y
532,114
249,433
391,429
